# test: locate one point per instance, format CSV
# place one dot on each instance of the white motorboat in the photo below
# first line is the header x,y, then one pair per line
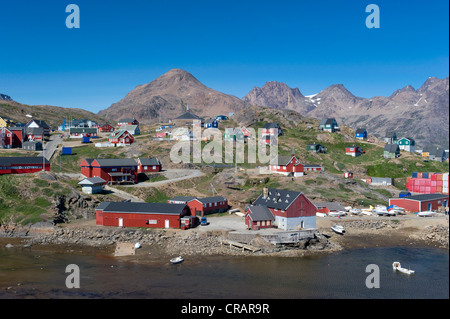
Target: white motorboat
x,y
355,211
381,211
398,267
427,213
338,229
367,212
321,215
177,260
337,214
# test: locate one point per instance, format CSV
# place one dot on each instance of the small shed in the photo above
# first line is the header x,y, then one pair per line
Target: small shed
x,y
32,146
391,151
361,133
92,185
348,174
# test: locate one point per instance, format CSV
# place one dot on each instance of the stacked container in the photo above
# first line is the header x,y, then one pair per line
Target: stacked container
x,y
428,183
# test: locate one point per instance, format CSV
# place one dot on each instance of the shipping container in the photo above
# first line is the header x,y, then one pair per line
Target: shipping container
x,y
439,183
419,175
414,175
424,175
445,177
66,151
439,177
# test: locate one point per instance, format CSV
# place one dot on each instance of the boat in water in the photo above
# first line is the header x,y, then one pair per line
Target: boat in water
x,y
398,267
338,229
177,260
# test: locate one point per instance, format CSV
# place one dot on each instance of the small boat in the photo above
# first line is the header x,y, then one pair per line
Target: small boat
x,y
338,229
337,214
355,211
396,266
321,214
381,211
426,214
177,260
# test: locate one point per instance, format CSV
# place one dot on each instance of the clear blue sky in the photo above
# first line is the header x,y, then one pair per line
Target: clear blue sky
x,y
230,46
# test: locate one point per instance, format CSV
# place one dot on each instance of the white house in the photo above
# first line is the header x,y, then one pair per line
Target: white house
x,y
93,185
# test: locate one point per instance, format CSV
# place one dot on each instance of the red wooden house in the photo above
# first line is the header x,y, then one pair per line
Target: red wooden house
x,y
121,138
11,137
202,206
34,133
291,210
287,165
128,121
23,165
258,217
147,165
106,128
123,170
354,151
151,215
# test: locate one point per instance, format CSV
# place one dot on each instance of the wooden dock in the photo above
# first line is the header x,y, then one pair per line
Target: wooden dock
x,y
240,245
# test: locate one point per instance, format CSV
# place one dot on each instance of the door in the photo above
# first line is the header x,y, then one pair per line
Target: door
x,y
429,206
166,223
120,222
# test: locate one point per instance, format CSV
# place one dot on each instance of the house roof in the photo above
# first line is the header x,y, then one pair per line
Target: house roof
x,y
213,199
82,130
330,121
210,121
311,165
127,120
333,206
115,161
438,152
142,208
260,213
283,160
149,161
21,160
427,197
188,116
183,198
391,148
117,133
40,123
129,127
92,181
278,198
34,130
360,130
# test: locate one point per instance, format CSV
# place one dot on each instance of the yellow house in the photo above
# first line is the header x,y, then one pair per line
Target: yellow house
x,y
6,122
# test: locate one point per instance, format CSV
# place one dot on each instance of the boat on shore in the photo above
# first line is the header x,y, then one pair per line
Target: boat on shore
x,y
398,267
427,213
177,260
337,214
338,229
381,211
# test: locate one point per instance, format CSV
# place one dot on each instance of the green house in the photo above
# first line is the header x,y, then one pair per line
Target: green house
x,y
391,151
316,148
406,144
234,134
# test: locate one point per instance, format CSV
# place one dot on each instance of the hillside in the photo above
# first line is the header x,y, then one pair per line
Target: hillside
x,y
422,114
168,95
52,115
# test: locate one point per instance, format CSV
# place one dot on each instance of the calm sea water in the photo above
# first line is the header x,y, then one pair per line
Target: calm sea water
x,y
26,273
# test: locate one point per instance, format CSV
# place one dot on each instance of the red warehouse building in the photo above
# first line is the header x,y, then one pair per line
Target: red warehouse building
x,y
112,170
23,165
291,210
420,203
151,215
287,165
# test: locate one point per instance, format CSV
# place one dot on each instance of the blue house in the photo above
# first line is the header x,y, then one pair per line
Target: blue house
x,y
361,133
211,123
221,117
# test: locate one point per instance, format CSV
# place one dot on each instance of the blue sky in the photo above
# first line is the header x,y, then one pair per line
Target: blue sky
x,y
230,46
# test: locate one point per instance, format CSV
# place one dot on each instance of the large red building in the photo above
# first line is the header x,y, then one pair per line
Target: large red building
x,y
112,170
151,215
291,210
287,165
23,165
420,203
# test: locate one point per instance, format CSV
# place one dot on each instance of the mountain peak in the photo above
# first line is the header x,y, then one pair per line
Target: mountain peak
x,y
4,97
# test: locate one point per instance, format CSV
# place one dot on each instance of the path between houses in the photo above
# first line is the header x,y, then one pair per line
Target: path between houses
x,y
172,175
123,195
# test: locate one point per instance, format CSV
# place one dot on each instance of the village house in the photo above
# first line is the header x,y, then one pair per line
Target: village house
x,y
407,144
112,170
106,128
121,138
329,125
380,181
232,134
354,151
133,129
316,148
437,154
162,134
202,206
188,118
348,175
287,165
361,133
291,210
211,123
272,129
92,185
148,215
329,207
6,122
181,199
128,121
148,165
23,165
11,137
32,146
258,217
390,137
391,151
80,132
34,134
420,203
39,124
221,118
246,131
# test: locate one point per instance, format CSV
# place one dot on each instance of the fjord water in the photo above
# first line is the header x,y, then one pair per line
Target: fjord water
x,y
26,273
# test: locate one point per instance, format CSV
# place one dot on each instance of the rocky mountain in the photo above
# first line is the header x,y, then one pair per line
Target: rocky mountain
x,y
168,95
52,115
4,97
422,114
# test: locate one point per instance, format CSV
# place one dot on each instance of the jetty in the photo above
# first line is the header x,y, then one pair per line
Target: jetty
x,y
240,245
